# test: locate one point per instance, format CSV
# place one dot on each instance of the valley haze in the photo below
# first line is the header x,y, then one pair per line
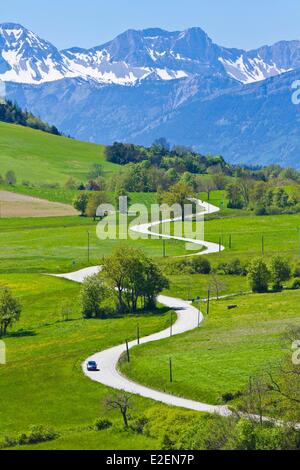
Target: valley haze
x,y
151,83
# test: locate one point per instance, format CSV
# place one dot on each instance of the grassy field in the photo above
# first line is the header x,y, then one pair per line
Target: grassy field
x,y
66,196
44,158
188,286
253,236
220,356
62,195
42,382
58,245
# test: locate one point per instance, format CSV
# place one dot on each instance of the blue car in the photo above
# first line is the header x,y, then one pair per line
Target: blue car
x,y
92,366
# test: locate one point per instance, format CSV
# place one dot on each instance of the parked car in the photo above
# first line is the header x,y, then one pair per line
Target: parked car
x,y
92,366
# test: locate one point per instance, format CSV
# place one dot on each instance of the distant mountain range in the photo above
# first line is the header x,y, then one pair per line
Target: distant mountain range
x,y
152,83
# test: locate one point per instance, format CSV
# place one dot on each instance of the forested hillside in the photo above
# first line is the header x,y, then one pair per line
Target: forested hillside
x,y
11,113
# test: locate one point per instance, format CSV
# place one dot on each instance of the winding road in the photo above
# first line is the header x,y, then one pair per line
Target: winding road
x,y
187,319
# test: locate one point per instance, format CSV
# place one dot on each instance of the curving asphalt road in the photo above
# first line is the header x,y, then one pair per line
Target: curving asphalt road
x,y
188,318
206,209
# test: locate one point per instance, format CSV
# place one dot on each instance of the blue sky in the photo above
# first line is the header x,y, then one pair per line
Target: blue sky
x,y
232,23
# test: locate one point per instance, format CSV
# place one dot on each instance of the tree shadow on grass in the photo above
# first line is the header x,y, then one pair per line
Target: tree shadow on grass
x,y
21,334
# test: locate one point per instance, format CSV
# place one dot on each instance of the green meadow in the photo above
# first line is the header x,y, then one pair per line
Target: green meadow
x,y
248,236
40,158
58,245
219,357
43,383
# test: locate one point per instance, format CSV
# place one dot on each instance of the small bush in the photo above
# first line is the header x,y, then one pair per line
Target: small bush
x,y
200,265
177,267
50,186
296,284
274,210
260,210
230,396
296,272
102,424
36,435
10,178
233,267
197,265
138,425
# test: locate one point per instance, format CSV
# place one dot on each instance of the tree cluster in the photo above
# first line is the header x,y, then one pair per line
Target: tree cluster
x,y
135,279
260,274
11,113
261,197
87,203
129,281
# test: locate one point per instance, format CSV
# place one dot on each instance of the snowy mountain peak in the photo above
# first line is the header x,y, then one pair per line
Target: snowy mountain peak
x,y
136,55
25,58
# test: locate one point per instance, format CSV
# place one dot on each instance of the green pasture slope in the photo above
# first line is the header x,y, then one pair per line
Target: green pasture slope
x,y
40,158
245,235
43,383
219,357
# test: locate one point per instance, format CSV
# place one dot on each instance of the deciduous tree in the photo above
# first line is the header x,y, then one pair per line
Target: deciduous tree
x,y
10,310
259,275
93,293
280,272
80,202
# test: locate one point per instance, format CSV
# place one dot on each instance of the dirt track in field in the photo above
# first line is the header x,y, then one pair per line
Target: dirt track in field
x,y
19,205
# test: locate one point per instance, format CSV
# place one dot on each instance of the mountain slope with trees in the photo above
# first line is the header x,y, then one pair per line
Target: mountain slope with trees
x,y
12,113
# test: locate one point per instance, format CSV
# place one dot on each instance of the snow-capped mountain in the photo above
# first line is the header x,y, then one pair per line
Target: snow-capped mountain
x,y
25,58
138,55
151,83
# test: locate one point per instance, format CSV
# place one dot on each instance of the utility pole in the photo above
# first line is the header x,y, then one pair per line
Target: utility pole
x,y
189,291
88,235
171,324
230,242
164,248
171,370
198,300
138,334
220,244
127,351
208,302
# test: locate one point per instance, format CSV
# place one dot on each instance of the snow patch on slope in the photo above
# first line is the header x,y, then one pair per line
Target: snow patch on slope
x,y
249,70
